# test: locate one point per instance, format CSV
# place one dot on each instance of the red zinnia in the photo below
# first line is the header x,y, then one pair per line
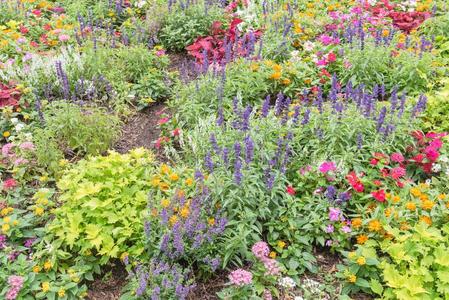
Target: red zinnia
x,y
291,190
397,172
379,195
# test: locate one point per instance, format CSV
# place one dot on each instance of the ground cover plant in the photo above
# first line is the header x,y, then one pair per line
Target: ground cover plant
x,y
242,149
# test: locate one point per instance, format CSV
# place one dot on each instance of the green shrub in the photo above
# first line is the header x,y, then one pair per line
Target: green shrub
x,y
70,129
103,199
182,26
435,116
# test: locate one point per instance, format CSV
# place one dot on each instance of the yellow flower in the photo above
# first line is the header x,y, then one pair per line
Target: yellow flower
x,y
76,279
155,181
189,181
5,228
6,134
173,220
424,197
441,196
174,177
15,223
286,81
361,239
410,206
185,212
165,202
273,254
374,225
281,244
388,211
351,255
36,269
275,75
356,223
415,192
47,265
396,199
352,278
45,286
404,226
277,68
61,293
361,261
6,219
63,162
164,186
165,169
38,211
428,205
211,221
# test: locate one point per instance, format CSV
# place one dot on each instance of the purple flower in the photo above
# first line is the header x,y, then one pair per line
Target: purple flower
x,y
346,229
238,171
330,228
330,193
266,107
249,149
209,163
334,214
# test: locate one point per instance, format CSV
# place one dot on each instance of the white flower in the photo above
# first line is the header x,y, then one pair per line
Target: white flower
x,y
141,4
14,121
436,168
444,159
287,282
19,127
428,181
299,298
308,46
294,53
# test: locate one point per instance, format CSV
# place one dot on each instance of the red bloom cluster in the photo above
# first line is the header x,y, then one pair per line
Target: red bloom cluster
x,y
355,182
428,149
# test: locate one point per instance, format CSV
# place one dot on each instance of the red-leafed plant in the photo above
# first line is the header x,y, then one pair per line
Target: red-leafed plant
x,y
213,47
407,21
9,96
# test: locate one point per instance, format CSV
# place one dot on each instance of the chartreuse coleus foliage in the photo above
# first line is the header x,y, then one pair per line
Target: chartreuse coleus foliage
x,y
102,201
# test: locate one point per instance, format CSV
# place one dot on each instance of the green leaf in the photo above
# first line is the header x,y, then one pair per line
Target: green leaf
x,y
376,287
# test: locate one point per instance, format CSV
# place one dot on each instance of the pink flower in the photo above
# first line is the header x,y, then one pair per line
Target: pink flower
x,y
6,149
331,57
436,144
272,266
240,277
334,214
163,121
267,295
64,37
160,52
397,172
15,281
346,229
9,184
20,161
431,153
327,166
397,157
27,146
176,132
260,249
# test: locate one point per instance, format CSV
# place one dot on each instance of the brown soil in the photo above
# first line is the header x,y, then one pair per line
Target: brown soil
x,y
109,286
140,130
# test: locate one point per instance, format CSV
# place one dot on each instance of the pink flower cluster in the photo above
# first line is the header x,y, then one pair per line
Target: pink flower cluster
x,y
240,277
261,251
15,282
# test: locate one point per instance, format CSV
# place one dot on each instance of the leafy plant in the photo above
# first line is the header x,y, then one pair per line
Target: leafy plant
x,y
102,205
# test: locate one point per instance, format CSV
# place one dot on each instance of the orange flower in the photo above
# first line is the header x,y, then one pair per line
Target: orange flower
x,y
356,223
426,219
404,226
361,239
410,206
423,197
286,81
427,205
388,212
441,196
396,199
415,192
374,226
275,75
277,68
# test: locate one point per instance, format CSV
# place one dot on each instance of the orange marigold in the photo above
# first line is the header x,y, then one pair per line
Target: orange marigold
x,y
356,223
374,225
361,239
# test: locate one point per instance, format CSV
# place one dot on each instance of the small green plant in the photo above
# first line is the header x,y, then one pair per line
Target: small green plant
x,y
103,199
72,129
182,26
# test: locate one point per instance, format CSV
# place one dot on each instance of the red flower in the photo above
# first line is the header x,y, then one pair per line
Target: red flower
x,y
397,172
331,57
355,182
384,172
377,182
379,195
176,132
291,190
418,158
34,44
23,30
36,12
374,162
9,184
47,27
397,157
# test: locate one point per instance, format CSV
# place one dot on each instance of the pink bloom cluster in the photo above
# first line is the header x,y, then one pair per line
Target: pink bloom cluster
x,y
261,251
240,277
15,282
